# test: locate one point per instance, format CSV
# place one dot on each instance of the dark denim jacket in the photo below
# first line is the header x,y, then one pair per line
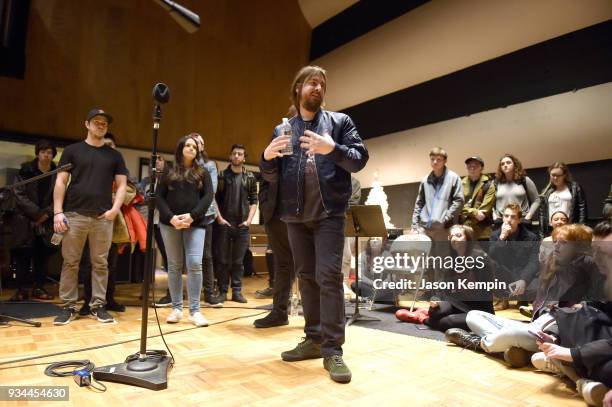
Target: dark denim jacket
x,y
333,170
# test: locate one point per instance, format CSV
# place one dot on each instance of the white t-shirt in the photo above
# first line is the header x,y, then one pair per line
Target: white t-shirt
x,y
560,201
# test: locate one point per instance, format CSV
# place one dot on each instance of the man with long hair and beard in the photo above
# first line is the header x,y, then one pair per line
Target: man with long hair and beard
x,y
314,187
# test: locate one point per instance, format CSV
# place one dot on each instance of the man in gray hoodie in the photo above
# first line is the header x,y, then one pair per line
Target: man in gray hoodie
x,y
438,204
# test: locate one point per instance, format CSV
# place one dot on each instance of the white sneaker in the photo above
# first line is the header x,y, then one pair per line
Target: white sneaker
x,y
175,316
592,392
541,362
198,319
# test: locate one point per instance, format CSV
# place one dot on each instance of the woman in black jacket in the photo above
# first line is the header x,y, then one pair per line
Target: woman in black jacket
x,y
561,194
33,222
185,193
581,343
452,310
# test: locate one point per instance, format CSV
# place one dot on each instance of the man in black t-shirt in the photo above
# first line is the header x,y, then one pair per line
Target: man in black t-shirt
x,y
84,208
237,203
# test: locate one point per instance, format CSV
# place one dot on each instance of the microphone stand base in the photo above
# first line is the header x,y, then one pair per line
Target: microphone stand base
x,y
150,373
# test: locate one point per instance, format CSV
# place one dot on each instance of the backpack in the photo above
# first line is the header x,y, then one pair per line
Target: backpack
x,y
524,184
482,193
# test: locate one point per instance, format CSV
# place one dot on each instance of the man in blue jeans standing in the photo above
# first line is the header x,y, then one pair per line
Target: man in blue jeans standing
x,y
85,209
314,187
237,203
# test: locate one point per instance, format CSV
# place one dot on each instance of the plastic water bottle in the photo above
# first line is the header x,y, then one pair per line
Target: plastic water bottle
x,y
56,239
287,130
295,303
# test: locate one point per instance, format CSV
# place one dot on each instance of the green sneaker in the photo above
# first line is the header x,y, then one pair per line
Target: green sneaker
x,y
306,349
338,370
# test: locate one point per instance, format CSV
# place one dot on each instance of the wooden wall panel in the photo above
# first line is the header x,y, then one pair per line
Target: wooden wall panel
x,y
229,81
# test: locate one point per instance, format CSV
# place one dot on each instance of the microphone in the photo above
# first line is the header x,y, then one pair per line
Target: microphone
x,y
161,93
186,18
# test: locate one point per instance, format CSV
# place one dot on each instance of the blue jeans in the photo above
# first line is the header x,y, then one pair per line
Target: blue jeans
x,y
184,244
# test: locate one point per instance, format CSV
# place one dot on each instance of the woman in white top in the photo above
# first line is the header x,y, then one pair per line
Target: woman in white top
x,y
514,186
561,194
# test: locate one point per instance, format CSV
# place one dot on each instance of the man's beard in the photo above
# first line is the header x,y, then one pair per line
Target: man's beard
x,y
312,104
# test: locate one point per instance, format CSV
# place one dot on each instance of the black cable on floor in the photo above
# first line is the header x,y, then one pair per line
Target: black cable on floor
x,y
159,326
52,371
114,343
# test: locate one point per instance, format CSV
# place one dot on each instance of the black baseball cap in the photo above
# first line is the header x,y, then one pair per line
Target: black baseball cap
x,y
474,158
99,112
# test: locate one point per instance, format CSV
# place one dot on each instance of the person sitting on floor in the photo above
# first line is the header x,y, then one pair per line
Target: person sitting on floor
x,y
514,249
547,246
452,310
565,280
580,348
569,274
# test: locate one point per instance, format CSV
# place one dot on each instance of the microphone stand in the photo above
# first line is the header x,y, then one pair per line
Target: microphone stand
x,y
145,369
65,167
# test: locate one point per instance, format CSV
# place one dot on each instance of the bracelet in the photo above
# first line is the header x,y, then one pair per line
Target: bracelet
x,y
57,213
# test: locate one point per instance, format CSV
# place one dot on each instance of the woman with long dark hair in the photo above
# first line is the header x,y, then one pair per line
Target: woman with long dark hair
x,y
514,186
211,215
452,310
561,194
185,193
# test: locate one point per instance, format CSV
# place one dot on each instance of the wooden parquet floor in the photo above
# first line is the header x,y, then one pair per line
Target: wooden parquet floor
x,y
233,364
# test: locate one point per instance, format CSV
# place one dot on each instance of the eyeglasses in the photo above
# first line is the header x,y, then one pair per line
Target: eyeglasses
x,y
457,235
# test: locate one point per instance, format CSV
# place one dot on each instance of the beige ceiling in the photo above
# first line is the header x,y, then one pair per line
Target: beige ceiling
x,y
444,36
317,11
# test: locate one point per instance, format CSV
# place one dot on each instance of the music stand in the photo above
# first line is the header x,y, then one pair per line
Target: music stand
x,y
5,319
363,221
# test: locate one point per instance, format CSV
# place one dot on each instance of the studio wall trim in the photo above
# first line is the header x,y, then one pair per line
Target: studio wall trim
x,y
573,61
445,36
358,19
571,127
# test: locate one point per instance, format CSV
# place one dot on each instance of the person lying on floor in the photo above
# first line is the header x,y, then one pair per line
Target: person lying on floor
x,y
452,310
564,281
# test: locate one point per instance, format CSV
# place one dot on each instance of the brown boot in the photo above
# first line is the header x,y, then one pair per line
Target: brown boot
x,y
517,357
501,305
